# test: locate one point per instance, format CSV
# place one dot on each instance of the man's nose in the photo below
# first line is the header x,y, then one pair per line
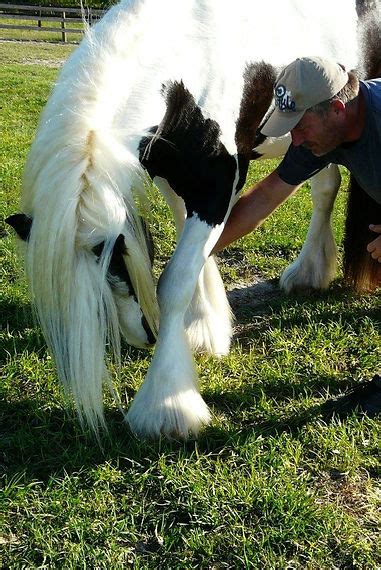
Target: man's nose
x,y
296,137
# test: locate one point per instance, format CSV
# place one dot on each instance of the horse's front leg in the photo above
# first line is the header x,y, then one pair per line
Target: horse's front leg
x,y
208,320
169,401
315,267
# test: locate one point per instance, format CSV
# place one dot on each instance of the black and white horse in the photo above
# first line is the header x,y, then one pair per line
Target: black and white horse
x,y
172,91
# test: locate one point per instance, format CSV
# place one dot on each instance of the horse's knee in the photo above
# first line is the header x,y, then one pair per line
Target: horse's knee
x,y
324,187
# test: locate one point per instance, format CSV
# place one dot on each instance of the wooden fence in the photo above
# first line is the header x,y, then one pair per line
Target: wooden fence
x,y
42,14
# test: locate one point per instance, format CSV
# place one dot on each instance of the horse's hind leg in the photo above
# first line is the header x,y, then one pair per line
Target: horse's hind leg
x,y
208,320
315,267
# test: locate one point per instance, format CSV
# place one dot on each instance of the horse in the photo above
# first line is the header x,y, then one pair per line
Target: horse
x,y
172,93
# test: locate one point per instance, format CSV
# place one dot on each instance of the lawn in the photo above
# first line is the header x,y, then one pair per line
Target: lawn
x,y
41,35
272,483
95,4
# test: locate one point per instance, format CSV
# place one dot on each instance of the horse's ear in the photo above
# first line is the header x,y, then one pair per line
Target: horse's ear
x,y
22,224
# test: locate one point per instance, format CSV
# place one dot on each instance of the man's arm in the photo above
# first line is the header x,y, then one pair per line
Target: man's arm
x,y
254,207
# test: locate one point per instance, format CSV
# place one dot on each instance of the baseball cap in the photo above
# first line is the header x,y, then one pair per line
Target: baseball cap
x,y
304,83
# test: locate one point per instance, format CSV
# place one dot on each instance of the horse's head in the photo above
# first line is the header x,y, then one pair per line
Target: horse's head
x,y
132,322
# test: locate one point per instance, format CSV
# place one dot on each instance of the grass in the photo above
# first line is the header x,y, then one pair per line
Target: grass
x,y
270,484
96,4
42,34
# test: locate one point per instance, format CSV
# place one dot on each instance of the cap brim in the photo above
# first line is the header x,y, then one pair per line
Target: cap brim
x,y
281,122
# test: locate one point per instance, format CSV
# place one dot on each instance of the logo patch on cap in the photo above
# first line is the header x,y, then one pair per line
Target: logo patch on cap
x,y
283,99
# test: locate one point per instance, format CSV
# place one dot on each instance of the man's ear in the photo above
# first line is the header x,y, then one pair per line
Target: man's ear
x,y
338,105
22,224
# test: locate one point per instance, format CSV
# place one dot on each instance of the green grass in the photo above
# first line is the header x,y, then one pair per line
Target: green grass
x,y
270,484
41,35
97,4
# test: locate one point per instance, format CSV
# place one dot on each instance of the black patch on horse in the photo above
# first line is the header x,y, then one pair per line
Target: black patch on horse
x,y
117,270
22,224
370,39
186,150
363,7
259,79
258,139
117,267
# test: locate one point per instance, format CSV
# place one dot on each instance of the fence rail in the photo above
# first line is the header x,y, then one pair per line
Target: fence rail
x,y
64,16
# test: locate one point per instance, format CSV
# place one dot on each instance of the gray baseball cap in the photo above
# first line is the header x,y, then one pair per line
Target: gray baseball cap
x,y
304,83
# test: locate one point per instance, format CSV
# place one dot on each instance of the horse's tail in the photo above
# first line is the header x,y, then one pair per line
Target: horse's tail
x,y
78,190
369,38
360,270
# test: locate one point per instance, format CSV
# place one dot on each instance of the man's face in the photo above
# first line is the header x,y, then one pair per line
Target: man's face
x,y
318,133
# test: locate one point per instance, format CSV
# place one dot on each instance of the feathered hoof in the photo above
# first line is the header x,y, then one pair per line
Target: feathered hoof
x,y
303,277
174,417
214,341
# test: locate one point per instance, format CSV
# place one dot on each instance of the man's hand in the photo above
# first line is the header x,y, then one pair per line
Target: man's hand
x,y
374,247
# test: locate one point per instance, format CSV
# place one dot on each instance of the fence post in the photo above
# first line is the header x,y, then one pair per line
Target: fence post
x,y
63,26
39,21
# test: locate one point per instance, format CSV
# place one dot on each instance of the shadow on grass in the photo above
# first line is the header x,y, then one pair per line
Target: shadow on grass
x,y
41,443
280,391
266,297
22,332
17,315
42,440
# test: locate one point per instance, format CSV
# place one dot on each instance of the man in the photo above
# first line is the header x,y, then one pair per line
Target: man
x,y
333,118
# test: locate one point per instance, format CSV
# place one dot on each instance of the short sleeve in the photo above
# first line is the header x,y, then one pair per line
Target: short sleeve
x,y
299,164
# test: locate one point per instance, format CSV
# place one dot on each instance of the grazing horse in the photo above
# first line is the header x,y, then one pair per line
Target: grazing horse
x,y
172,92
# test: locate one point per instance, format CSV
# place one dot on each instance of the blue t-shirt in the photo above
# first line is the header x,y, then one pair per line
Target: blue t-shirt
x,y
362,157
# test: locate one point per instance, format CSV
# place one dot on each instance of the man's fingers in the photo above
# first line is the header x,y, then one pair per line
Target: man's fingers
x,y
375,228
374,248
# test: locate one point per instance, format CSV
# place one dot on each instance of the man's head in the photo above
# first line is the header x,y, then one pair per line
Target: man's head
x,y
311,95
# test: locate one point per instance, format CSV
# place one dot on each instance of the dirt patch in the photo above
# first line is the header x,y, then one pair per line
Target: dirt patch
x,y
45,62
251,303
359,497
43,54
253,296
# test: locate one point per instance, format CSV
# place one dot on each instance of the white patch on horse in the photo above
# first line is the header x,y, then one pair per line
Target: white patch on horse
x,y
273,147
